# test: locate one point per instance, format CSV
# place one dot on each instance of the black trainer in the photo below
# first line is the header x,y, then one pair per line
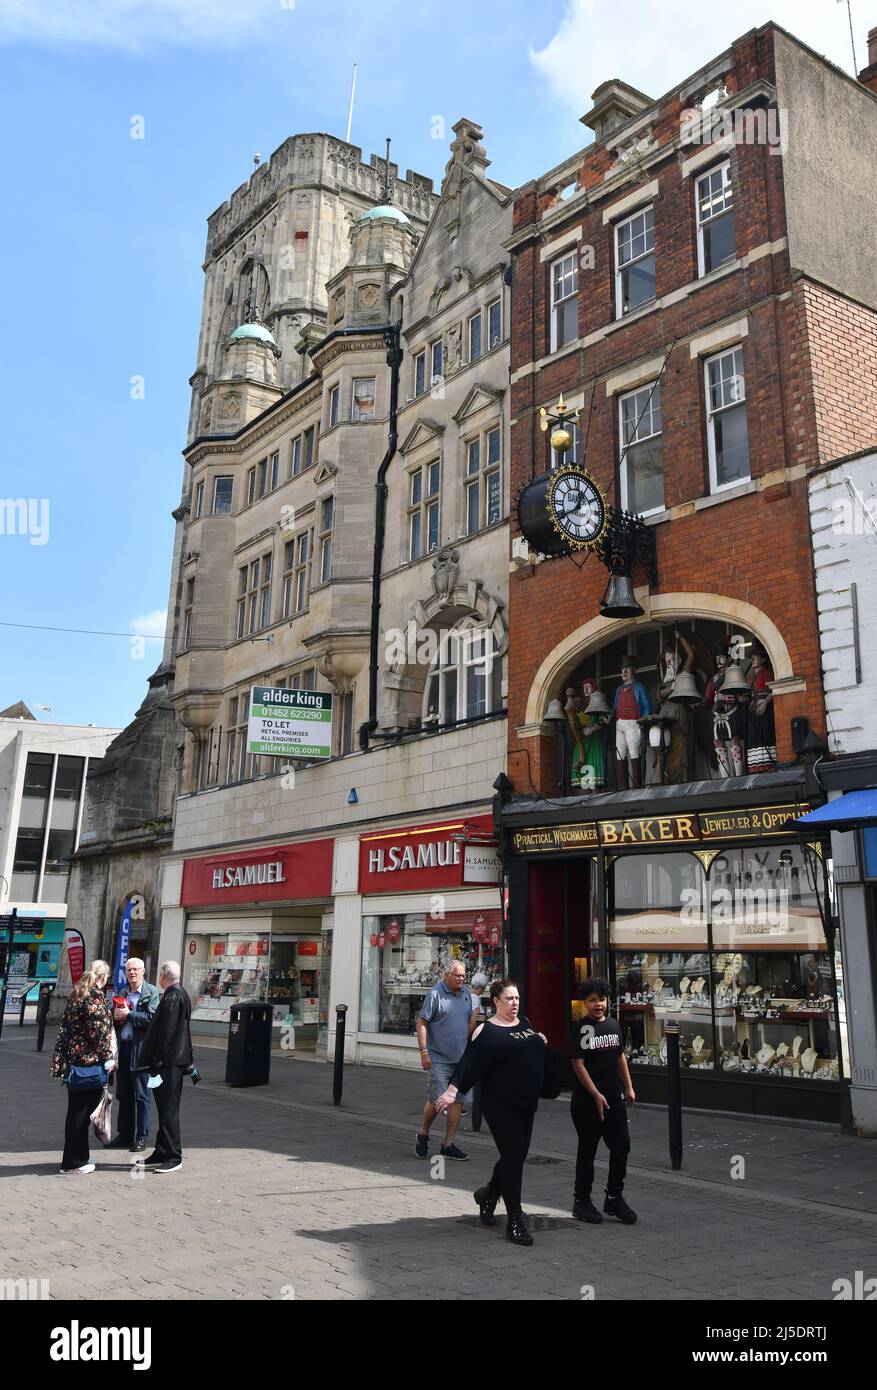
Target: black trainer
x,y
616,1206
451,1151
421,1146
486,1205
583,1209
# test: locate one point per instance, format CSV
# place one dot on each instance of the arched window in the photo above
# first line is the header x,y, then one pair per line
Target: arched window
x,y
465,677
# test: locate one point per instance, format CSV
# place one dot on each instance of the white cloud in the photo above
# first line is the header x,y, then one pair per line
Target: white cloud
x,y
656,46
150,624
138,24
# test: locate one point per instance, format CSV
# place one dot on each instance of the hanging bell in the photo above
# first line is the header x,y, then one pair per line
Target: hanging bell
x,y
685,691
618,601
735,682
598,704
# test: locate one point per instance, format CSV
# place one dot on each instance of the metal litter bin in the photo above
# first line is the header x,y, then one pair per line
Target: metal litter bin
x,y
248,1060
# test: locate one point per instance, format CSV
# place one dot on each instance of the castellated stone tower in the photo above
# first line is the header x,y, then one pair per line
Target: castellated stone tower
x,y
273,247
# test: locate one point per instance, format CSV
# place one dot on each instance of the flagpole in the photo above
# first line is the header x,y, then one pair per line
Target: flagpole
x,y
350,107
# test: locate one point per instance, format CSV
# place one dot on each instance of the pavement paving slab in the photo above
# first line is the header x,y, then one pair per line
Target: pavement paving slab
x,y
284,1196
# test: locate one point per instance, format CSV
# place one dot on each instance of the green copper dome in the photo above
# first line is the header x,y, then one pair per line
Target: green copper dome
x,y
385,210
254,330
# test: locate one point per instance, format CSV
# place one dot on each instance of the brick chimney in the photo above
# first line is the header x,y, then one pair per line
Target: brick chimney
x,y
868,75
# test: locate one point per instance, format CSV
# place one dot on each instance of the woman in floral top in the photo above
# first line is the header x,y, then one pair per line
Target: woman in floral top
x,y
85,1038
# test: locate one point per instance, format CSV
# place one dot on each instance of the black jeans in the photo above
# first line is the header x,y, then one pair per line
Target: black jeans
x,y
511,1127
613,1130
79,1107
133,1094
167,1102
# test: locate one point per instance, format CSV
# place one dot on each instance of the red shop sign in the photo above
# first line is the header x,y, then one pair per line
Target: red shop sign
x,y
419,857
276,874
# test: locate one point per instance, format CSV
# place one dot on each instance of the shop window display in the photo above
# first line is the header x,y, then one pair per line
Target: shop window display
x,y
737,958
404,955
294,980
236,968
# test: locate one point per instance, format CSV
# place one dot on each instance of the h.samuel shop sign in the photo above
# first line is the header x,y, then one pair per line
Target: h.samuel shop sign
x,y
422,857
279,873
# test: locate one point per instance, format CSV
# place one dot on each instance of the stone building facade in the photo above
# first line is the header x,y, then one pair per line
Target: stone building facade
x,y
309,270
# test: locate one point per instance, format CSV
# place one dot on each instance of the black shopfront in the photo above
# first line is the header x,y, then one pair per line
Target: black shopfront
x,y
703,907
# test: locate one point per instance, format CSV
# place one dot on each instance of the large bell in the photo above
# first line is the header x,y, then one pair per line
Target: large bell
x,y
598,704
685,691
735,682
618,600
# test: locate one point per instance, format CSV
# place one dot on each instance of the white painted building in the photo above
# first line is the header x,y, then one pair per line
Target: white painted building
x,y
43,768
843,515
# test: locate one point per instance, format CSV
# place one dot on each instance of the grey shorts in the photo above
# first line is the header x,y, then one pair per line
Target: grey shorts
x,y
438,1078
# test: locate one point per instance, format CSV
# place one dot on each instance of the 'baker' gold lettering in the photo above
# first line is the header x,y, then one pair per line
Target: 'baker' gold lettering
x,y
610,834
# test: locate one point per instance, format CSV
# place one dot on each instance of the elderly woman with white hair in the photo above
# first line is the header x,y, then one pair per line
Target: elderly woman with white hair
x,y
83,1058
166,1051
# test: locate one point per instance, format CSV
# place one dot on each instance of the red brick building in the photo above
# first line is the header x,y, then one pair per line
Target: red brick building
x,y
697,285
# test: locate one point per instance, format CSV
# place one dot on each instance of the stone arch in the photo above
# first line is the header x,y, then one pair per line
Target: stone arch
x,y
404,678
662,607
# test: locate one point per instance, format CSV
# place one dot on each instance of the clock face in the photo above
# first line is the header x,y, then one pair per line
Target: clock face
x,y
576,506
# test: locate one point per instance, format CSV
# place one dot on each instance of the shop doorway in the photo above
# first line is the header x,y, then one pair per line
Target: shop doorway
x,y
562,938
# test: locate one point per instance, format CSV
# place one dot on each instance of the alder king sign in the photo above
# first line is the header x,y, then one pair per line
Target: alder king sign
x,y
290,723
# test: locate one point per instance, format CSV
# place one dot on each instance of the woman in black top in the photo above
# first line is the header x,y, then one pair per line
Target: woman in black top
x,y
507,1056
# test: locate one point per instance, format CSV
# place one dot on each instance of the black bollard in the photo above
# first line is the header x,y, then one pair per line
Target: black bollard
x,y
476,1107
338,1076
674,1095
43,1013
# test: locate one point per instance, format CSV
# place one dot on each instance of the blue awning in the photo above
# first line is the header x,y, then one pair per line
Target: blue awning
x,y
846,812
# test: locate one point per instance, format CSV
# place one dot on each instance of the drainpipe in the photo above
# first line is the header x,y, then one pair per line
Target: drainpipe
x,y
392,337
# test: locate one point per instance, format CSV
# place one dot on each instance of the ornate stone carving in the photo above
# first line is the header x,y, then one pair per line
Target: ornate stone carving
x,y
230,405
453,351
368,296
206,415
444,571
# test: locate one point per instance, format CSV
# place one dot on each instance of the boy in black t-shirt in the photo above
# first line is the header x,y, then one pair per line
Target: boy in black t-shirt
x,y
601,1092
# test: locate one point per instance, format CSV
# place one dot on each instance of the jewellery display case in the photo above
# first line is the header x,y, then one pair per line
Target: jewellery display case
x,y
748,980
775,1015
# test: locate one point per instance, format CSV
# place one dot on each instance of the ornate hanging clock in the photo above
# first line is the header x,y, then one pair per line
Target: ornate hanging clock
x,y
576,506
562,511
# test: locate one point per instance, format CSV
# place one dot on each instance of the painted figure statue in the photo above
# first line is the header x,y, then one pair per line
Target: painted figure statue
x,y
588,771
675,736
631,703
761,737
729,718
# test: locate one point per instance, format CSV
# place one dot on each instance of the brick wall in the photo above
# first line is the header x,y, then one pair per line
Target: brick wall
x,y
840,340
801,348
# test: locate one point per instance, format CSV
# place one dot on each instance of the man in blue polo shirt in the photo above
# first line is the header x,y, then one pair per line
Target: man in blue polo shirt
x,y
443,1027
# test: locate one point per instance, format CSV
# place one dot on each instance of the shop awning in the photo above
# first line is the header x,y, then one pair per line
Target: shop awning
x,y
844,813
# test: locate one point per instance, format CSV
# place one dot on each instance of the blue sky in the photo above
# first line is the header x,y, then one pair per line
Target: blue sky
x,y
104,236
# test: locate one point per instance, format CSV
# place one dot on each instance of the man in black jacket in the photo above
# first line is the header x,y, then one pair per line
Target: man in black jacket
x,y
167,1051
